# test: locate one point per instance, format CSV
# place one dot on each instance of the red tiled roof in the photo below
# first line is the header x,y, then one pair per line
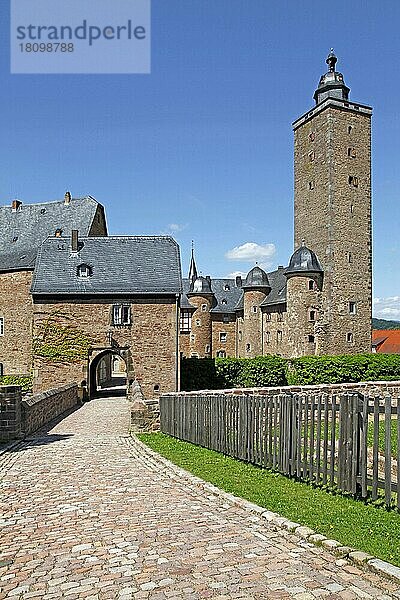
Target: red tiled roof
x,y
386,340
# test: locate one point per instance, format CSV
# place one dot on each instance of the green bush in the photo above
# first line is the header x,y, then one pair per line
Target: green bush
x,y
271,371
348,368
25,381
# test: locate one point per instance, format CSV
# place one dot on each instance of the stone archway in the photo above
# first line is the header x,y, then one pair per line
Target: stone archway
x,y
100,368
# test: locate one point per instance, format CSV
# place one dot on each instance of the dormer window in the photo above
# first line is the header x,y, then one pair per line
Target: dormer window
x,y
227,287
84,271
58,232
223,301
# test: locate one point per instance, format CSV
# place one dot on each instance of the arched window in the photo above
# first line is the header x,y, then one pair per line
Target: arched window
x,y
84,271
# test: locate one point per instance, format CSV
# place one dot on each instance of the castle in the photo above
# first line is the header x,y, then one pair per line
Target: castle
x,y
321,303
76,301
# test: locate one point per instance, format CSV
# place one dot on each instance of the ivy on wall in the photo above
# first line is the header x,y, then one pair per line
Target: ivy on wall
x,y
25,381
60,343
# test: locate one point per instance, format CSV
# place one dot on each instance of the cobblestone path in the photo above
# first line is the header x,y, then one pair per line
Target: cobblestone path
x,y
86,514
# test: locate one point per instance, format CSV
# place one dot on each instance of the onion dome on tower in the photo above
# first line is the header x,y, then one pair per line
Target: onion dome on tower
x,y
200,285
331,84
303,262
257,279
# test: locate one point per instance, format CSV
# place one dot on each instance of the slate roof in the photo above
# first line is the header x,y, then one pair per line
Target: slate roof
x,y
277,281
130,265
23,231
234,296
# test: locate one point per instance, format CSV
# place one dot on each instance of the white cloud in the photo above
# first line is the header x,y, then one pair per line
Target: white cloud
x,y
236,274
387,308
250,251
174,228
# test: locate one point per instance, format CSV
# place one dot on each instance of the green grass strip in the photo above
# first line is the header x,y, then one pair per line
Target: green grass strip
x,y
351,522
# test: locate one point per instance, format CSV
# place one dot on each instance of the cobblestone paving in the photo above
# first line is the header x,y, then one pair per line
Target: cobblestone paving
x,y
85,514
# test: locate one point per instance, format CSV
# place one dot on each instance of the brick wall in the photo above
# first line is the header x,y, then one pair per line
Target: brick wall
x,y
16,308
219,326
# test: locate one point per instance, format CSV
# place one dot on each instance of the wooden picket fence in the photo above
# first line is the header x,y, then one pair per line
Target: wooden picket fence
x,y
345,441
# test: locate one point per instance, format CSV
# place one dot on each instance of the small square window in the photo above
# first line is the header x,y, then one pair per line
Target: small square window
x,y
349,338
221,354
352,308
311,185
351,152
248,347
349,257
267,316
255,309
311,339
204,307
311,136
192,337
227,287
353,181
121,314
198,322
223,337
311,284
207,349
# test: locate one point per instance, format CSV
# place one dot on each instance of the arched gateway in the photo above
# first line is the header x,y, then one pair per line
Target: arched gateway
x,y
110,370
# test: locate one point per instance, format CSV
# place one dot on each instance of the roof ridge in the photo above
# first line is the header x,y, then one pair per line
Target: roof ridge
x,y
32,204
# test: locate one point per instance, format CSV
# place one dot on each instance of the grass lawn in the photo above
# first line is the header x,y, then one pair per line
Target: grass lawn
x,y
353,523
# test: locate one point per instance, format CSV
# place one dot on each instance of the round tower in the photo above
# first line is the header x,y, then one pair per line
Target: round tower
x,y
304,314
255,289
202,298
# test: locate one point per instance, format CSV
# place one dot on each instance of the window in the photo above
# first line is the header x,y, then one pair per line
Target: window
x,y
194,355
248,347
198,322
351,208
192,337
353,181
311,156
185,321
84,271
227,287
311,339
311,136
121,314
204,307
1,369
352,308
223,337
208,349
223,301
255,309
240,336
349,257
279,336
1,325
311,284
350,129
351,152
267,316
312,315
311,185
279,316
349,337
221,354
58,232
267,337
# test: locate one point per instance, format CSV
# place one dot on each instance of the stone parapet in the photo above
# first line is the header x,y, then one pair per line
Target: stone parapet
x,y
39,409
10,412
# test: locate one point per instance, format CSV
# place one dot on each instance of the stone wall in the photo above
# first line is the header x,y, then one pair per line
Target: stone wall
x,y
16,308
275,330
83,324
227,327
371,388
20,417
333,215
252,332
200,337
40,409
10,412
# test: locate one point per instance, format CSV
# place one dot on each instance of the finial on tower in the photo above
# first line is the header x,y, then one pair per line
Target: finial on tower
x,y
192,268
331,61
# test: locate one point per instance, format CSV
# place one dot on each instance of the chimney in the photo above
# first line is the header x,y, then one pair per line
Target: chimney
x,y
15,205
238,281
280,267
74,240
208,279
67,198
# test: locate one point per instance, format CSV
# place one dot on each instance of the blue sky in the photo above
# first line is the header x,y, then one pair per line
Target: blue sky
x,y
202,148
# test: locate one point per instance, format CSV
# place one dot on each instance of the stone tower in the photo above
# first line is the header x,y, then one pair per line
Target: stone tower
x,y
255,289
332,210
